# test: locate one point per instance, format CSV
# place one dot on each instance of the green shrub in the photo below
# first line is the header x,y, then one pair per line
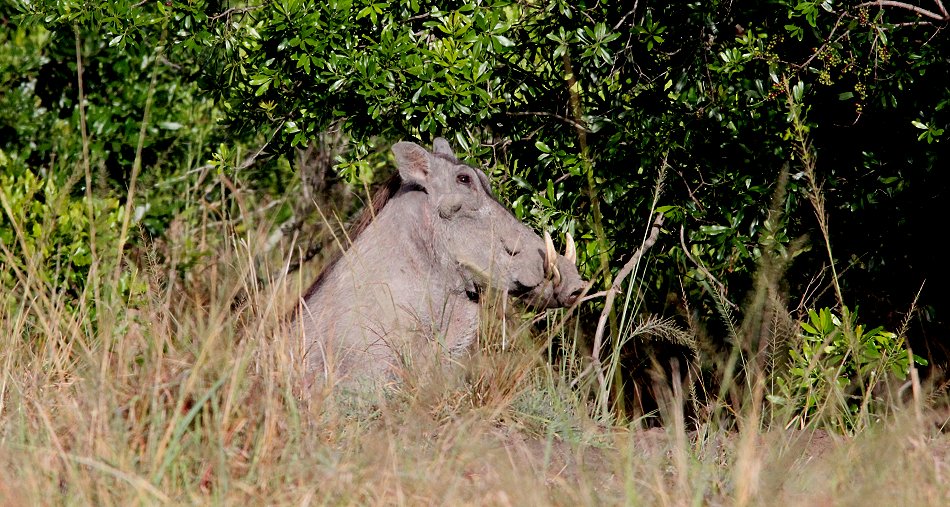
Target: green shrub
x,y
45,233
836,367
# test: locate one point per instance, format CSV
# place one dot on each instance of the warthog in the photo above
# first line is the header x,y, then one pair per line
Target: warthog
x,y
434,239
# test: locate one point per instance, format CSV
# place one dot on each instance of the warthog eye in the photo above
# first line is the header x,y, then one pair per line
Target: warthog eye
x,y
464,179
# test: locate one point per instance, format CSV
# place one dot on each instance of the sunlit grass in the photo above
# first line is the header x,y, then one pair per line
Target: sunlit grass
x,y
192,398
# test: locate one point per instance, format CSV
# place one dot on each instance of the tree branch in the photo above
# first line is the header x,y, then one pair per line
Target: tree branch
x,y
569,121
943,10
233,10
621,276
827,41
627,15
910,7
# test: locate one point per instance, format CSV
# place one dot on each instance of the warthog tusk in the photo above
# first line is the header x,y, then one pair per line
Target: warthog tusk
x,y
550,260
570,251
550,257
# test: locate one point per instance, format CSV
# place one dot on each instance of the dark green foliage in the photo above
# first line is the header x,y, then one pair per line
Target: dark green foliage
x,y
698,86
126,51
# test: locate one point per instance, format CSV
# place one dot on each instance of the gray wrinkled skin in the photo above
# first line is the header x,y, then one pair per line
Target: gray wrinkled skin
x,y
408,286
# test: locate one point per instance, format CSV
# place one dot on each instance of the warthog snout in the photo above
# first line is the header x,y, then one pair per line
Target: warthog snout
x,y
559,283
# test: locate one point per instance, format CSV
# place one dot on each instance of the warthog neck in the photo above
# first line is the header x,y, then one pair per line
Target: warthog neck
x,y
393,296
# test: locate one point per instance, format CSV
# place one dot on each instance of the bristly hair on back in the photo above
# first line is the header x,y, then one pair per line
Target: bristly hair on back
x,y
369,213
380,198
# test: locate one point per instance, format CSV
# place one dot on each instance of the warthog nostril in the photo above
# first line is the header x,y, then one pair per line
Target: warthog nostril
x,y
573,297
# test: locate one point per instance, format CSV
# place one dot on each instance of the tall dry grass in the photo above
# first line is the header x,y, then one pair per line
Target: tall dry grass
x,y
186,393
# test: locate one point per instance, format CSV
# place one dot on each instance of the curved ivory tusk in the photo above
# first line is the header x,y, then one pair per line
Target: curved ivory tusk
x,y
550,256
570,251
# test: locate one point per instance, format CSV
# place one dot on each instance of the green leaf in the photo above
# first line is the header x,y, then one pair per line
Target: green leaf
x,y
259,79
504,41
713,230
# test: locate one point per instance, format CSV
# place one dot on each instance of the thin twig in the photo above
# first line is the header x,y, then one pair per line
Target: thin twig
x,y
692,195
137,162
907,6
250,160
593,296
611,294
424,15
234,10
615,287
627,15
913,23
569,121
827,41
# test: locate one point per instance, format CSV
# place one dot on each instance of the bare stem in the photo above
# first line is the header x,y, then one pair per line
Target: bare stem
x,y
910,7
569,121
702,268
609,303
815,194
621,276
90,209
137,163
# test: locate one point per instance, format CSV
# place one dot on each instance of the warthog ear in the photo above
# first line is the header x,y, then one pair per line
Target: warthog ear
x,y
442,147
412,161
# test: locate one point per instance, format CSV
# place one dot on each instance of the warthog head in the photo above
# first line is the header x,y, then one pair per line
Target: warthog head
x,y
492,247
